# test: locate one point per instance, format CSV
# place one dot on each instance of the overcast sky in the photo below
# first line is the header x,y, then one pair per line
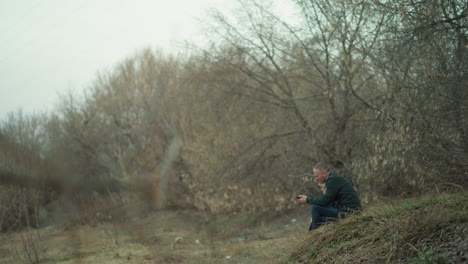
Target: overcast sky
x,y
50,46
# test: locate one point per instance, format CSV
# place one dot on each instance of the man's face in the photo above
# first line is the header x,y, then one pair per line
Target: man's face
x,y
320,176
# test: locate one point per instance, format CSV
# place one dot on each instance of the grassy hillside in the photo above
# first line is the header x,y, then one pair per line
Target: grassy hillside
x,y
431,230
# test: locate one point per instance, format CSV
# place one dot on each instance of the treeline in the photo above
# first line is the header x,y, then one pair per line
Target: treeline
x,y
376,88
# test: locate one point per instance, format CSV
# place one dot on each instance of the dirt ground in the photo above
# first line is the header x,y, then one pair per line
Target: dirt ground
x,y
162,237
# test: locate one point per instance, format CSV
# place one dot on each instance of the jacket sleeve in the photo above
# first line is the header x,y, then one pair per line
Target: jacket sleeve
x,y
333,186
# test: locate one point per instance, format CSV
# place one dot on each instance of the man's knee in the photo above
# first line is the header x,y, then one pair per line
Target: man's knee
x,y
315,213
316,208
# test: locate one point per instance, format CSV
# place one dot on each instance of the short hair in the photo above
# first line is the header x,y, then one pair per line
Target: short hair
x,y
322,166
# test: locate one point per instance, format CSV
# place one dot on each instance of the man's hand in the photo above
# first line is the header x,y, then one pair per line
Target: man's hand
x,y
302,198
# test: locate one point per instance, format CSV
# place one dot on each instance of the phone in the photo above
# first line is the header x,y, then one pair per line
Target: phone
x,y
297,197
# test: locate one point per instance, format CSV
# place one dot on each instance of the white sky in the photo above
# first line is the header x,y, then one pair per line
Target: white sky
x,y
48,47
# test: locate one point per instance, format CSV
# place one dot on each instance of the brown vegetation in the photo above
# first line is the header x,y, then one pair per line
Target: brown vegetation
x,y
432,230
378,89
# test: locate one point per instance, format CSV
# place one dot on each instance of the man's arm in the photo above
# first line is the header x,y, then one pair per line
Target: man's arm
x,y
333,186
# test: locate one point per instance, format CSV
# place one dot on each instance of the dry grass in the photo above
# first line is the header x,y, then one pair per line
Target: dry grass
x,y
167,237
432,230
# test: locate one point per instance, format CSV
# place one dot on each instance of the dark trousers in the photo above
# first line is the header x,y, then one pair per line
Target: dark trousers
x,y
321,214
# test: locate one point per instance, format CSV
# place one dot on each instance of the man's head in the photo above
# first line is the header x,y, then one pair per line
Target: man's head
x,y
321,171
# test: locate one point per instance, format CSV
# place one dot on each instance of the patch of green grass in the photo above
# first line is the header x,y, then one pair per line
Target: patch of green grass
x,y
429,256
398,230
311,253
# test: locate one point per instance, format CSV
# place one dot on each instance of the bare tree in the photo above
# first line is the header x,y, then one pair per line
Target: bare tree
x,y
319,70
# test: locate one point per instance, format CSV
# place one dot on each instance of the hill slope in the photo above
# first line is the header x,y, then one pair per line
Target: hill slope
x,y
431,230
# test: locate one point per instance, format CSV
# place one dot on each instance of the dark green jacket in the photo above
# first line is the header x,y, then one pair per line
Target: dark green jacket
x,y
340,194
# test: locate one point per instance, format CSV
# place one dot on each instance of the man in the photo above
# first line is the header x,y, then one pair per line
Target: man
x,y
340,197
